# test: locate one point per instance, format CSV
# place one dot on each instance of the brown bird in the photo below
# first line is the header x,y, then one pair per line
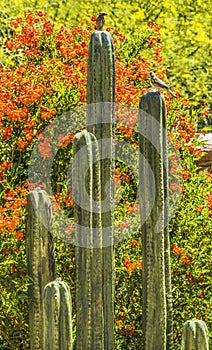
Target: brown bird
x,y
160,83
100,21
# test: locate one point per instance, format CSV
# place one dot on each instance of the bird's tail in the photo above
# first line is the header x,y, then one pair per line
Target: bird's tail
x,y
172,93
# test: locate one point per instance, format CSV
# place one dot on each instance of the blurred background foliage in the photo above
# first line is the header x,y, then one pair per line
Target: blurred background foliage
x,y
185,29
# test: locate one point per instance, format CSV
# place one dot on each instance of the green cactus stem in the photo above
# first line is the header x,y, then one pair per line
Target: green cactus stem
x,y
195,335
88,254
57,316
40,260
101,75
100,121
153,173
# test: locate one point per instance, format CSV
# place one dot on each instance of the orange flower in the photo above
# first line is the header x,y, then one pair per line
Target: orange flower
x,y
134,243
117,180
177,250
184,260
45,149
11,224
65,140
19,235
119,323
47,114
201,277
41,14
189,277
173,187
139,264
22,144
185,174
69,229
9,44
117,171
48,28
69,201
7,132
209,176
126,177
197,152
123,225
209,203
191,148
206,112
129,265
199,209
6,165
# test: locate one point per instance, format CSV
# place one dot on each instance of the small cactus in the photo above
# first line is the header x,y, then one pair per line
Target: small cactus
x,y
88,252
195,335
57,316
40,260
156,286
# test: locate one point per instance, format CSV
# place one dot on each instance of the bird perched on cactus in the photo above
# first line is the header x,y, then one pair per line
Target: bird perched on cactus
x,y
100,21
160,83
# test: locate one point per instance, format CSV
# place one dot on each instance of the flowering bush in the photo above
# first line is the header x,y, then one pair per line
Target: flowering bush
x,y
46,78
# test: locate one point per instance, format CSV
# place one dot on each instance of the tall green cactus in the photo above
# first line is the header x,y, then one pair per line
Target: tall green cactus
x,y
100,121
195,335
88,252
57,316
40,260
156,284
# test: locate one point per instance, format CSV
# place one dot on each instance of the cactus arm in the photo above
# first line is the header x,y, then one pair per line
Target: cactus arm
x,y
154,212
100,121
40,260
57,316
88,253
195,335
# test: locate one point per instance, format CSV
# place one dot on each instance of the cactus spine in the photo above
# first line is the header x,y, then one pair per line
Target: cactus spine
x,y
40,260
86,191
100,121
57,316
195,335
156,284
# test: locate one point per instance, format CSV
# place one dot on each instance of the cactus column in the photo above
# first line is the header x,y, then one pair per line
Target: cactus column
x,y
57,316
100,121
88,252
195,335
153,168
40,260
